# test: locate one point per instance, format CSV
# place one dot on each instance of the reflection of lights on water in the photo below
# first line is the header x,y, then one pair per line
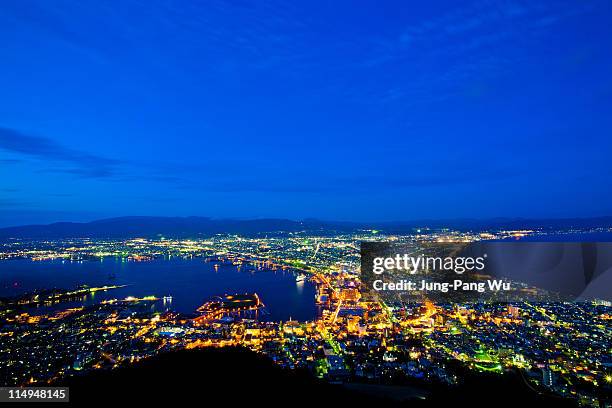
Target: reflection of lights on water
x,y
300,287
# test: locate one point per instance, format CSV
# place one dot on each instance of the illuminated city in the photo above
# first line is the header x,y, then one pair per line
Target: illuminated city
x,y
558,348
245,203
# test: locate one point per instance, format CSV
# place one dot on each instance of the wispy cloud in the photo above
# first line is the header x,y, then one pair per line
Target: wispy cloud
x,y
206,177
80,163
467,43
488,21
259,34
9,203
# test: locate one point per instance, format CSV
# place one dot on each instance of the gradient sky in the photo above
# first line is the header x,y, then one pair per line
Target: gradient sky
x,y
334,110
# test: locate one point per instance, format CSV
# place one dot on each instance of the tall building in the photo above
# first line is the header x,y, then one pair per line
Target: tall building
x,y
548,377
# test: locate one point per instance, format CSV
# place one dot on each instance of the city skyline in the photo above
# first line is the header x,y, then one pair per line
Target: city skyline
x,y
338,112
302,300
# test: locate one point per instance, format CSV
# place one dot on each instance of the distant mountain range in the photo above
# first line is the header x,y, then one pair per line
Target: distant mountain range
x,y
145,226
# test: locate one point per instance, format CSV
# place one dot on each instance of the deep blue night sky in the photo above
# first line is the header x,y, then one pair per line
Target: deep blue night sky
x,y
333,110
